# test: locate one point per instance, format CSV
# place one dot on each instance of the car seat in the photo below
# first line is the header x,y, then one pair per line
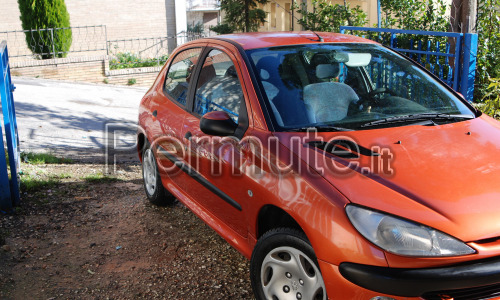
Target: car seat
x,y
328,101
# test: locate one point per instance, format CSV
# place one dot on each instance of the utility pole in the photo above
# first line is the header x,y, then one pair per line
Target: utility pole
x,y
463,16
247,16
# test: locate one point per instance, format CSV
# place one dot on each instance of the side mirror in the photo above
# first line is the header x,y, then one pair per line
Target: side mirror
x,y
217,123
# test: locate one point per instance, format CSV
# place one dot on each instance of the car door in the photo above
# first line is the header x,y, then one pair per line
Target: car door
x,y
217,160
169,108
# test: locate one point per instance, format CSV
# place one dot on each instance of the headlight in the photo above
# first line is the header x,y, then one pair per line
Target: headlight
x,y
404,237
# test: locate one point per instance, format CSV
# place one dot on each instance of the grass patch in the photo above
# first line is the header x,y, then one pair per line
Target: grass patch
x,y
43,158
61,176
32,183
100,178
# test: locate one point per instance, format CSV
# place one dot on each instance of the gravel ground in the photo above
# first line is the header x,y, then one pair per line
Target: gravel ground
x,y
76,239
103,240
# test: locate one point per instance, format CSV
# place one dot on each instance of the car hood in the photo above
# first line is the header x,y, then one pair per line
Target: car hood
x,y
444,176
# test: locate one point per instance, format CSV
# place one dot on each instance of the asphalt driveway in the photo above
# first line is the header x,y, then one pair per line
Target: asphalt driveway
x,y
71,119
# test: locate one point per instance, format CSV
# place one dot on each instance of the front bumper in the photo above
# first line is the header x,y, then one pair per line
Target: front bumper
x,y
422,282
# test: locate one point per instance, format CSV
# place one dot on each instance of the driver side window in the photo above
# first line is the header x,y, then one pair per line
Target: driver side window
x,y
218,87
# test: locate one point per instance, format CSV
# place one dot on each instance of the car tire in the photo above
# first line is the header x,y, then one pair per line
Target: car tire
x,y
284,266
155,191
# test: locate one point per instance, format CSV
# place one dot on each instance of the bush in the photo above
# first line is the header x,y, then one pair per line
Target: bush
x,y
327,17
45,14
222,28
428,15
196,28
425,15
125,60
488,56
492,99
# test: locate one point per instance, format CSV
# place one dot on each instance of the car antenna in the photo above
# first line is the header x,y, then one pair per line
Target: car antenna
x,y
320,38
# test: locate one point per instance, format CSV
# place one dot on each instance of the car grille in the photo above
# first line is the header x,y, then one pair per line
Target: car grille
x,y
476,293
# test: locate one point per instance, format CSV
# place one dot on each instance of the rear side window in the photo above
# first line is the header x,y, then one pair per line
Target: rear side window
x,y
179,74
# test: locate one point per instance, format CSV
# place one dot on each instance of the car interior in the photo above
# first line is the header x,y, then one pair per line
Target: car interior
x,y
308,86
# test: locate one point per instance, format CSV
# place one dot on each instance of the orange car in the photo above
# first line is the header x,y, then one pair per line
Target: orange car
x,y
340,168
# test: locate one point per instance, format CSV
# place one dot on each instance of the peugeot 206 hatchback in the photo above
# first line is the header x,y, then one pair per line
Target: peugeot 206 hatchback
x,y
340,168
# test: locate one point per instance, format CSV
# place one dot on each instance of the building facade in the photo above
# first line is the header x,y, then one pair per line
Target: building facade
x,y
203,12
281,16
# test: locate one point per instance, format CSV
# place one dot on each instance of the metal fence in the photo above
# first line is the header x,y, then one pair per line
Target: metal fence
x,y
44,43
448,55
145,52
93,40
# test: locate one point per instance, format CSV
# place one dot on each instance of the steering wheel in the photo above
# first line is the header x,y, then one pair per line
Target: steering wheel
x,y
372,99
382,91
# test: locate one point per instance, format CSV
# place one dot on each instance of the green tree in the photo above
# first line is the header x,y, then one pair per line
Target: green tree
x,y
222,28
427,15
243,15
424,15
196,28
41,15
325,16
488,56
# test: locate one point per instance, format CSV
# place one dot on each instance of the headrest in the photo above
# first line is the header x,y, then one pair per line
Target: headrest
x,y
327,70
320,58
231,72
268,67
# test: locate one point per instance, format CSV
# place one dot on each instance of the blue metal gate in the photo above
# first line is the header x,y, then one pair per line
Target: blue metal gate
x,y
450,56
9,182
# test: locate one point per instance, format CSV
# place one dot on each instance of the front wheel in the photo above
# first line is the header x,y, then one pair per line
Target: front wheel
x,y
284,266
153,186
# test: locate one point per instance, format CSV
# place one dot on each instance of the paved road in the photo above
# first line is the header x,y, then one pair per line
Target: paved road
x,y
70,119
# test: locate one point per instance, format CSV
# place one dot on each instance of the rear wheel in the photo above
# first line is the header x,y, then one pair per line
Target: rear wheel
x,y
284,266
153,186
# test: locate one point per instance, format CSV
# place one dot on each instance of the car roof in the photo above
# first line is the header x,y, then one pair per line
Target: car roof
x,y
253,40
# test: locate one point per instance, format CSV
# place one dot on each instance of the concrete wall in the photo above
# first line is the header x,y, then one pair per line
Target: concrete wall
x,y
94,69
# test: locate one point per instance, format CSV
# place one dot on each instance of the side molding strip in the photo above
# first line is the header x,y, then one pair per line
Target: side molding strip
x,y
197,176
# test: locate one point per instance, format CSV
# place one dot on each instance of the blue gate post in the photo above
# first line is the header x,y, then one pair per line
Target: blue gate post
x,y
468,71
5,200
9,120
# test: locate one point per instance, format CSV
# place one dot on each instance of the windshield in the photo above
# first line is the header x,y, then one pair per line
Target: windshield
x,y
349,86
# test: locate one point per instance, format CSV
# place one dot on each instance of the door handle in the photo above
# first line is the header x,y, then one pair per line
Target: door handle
x,y
155,113
188,135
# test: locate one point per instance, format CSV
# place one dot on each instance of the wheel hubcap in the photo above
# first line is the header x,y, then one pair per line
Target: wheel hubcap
x,y
149,171
287,273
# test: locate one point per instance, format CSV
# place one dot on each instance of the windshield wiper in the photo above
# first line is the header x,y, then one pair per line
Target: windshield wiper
x,y
319,128
409,119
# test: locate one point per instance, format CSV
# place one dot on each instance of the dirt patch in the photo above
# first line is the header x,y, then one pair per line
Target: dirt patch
x,y
104,240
